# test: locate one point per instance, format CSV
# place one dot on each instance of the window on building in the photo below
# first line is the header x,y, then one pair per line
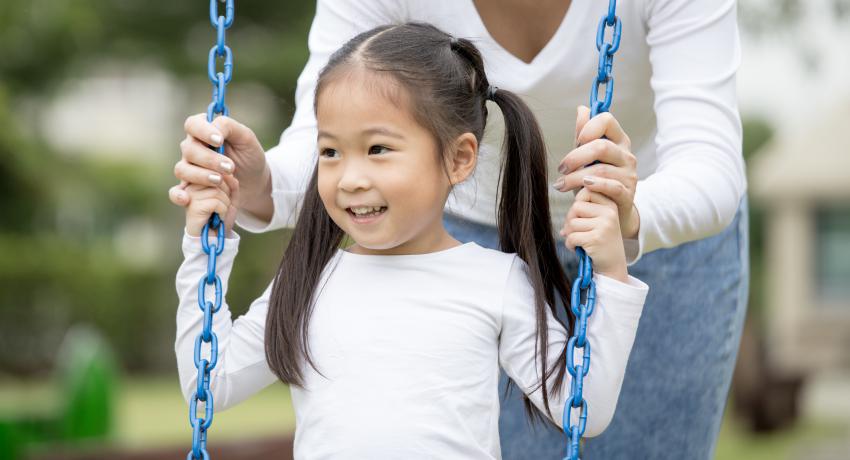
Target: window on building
x,y
832,264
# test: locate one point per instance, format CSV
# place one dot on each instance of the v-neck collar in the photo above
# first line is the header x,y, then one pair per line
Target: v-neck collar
x,y
565,31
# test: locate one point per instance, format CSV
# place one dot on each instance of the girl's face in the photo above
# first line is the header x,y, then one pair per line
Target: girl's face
x,y
381,177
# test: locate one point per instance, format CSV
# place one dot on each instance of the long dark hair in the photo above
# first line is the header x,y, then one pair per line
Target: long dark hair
x,y
448,87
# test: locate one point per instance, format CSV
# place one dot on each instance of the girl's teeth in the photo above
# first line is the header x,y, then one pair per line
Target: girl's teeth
x,y
366,210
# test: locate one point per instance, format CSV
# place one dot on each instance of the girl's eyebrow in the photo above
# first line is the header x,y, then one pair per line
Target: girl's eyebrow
x,y
384,131
370,131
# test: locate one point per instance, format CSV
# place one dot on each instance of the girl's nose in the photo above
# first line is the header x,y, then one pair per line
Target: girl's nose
x,y
355,176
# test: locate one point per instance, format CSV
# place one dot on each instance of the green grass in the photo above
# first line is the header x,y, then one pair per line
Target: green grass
x,y
151,412
805,440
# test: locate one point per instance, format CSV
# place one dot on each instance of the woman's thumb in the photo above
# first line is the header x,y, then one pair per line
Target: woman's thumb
x,y
582,117
236,133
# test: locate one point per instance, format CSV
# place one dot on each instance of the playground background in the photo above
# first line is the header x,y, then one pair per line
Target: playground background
x,y
93,94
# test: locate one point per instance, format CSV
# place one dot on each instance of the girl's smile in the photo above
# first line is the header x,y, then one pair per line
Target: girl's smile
x,y
366,214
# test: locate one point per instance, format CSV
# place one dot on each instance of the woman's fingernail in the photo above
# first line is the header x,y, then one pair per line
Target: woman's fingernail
x,y
181,196
227,166
216,138
588,180
563,169
558,183
215,178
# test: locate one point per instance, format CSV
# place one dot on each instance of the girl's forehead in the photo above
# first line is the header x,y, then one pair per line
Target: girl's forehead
x,y
370,83
362,94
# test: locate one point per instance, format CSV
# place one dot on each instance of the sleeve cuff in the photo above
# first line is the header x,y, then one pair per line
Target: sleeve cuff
x,y
286,204
634,247
254,224
629,297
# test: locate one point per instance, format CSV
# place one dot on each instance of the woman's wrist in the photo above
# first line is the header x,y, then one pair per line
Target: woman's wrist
x,y
632,225
258,200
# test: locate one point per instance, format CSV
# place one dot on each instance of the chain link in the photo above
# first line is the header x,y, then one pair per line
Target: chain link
x,y
606,59
583,296
213,249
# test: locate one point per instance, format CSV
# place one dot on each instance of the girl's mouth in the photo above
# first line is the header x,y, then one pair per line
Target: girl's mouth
x,y
366,214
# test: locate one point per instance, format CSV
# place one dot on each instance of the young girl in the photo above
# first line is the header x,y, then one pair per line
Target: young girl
x,y
391,346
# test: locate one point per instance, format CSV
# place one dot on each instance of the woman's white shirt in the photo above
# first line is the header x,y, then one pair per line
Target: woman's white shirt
x,y
674,95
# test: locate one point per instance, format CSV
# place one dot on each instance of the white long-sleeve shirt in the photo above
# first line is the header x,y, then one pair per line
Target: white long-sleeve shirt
x,y
409,349
674,96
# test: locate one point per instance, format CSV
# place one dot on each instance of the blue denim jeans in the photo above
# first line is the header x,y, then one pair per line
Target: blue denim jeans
x,y
674,392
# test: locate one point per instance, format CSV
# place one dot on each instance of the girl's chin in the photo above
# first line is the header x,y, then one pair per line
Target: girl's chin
x,y
369,243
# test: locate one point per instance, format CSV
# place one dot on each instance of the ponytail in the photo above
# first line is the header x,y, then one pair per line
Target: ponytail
x,y
525,225
524,221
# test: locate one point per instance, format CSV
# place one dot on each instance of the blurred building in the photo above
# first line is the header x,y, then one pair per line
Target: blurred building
x,y
801,180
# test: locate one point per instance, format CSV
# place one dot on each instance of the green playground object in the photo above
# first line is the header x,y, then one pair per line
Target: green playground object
x,y
86,379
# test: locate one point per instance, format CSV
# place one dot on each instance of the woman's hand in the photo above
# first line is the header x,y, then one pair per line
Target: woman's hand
x,y
200,165
204,201
615,176
593,223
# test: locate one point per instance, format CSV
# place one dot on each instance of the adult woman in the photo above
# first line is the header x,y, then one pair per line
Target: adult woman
x,y
675,220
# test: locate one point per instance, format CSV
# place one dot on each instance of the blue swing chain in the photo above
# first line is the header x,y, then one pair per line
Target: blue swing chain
x,y
583,295
203,394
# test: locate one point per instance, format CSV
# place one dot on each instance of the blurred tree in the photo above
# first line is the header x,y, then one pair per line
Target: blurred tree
x,y
59,262
59,259
796,21
756,134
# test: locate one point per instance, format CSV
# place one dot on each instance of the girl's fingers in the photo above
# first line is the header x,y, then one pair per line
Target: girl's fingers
x,y
603,125
601,191
578,224
198,154
205,207
232,188
178,195
217,206
220,207
589,195
602,150
591,209
199,193
577,239
230,217
195,190
611,188
583,194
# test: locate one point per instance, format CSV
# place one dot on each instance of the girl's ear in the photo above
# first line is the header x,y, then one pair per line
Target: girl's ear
x,y
462,158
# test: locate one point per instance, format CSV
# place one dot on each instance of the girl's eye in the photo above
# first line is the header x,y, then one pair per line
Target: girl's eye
x,y
330,153
377,149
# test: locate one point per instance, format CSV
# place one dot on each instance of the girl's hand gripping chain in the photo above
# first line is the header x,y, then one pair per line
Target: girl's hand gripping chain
x,y
602,139
594,224
204,201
